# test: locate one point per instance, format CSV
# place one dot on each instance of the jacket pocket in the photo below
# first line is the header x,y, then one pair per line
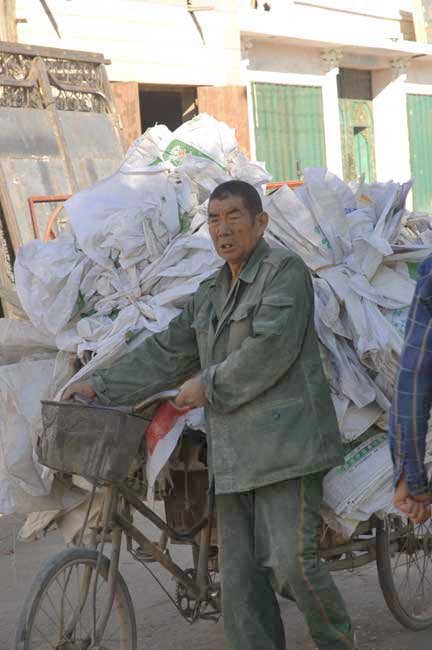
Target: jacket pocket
x,y
272,316
242,311
240,325
201,323
281,431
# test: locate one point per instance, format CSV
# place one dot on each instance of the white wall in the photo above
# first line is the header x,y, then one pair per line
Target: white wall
x,y
391,117
383,8
380,8
158,43
391,126
360,22
150,42
275,63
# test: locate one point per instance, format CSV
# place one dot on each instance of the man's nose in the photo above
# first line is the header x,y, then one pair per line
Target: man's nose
x,y
224,228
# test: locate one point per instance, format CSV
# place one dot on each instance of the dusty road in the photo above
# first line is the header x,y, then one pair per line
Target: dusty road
x,y
161,628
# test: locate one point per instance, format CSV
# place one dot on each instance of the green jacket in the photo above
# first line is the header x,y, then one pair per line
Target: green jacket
x,y
270,416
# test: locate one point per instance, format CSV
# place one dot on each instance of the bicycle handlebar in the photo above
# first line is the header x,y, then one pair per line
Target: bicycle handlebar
x,y
162,396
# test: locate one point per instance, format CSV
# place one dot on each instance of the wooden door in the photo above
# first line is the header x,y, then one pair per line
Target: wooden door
x,y
126,95
8,28
228,104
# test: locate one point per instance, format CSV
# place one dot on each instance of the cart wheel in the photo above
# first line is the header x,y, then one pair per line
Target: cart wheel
x,y
58,612
404,562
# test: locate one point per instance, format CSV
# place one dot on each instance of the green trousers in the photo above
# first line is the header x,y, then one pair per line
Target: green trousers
x,y
269,542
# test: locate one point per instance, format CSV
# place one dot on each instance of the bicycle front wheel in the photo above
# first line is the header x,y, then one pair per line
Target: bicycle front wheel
x,y
61,612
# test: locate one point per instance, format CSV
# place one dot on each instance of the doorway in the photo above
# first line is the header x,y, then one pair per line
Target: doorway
x,y
356,121
170,106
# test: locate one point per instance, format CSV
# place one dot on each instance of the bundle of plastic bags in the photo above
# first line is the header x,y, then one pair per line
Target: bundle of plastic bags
x,y
363,289
362,246
126,266
138,246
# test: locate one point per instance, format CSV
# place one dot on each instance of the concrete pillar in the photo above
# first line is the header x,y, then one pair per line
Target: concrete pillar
x,y
391,123
331,59
332,123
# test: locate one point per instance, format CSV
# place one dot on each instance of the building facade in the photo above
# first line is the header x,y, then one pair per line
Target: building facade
x,y
345,84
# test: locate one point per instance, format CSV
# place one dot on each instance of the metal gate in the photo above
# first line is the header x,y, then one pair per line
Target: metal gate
x,y
59,133
289,128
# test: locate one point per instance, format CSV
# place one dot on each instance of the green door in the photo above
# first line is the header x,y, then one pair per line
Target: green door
x,y
289,129
420,136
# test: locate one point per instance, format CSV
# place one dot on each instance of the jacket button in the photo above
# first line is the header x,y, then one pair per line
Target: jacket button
x,y
276,416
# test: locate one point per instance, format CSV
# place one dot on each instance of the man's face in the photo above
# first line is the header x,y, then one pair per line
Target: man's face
x,y
233,231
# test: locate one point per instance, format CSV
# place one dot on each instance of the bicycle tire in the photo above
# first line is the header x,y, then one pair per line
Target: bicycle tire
x,y
47,576
389,547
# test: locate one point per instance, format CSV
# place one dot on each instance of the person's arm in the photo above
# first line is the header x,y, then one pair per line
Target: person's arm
x,y
279,328
412,401
164,360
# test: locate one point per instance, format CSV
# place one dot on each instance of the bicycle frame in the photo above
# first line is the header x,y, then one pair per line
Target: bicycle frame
x,y
117,517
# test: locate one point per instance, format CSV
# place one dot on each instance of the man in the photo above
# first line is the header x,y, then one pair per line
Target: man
x,y
245,348
410,410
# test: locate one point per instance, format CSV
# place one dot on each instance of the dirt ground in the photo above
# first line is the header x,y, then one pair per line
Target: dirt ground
x,y
159,625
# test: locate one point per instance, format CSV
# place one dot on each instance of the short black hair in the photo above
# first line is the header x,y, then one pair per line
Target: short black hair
x,y
251,199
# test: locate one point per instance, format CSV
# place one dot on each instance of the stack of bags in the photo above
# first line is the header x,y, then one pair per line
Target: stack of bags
x,y
138,246
362,246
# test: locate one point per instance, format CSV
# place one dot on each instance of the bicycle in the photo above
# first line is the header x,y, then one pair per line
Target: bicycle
x,y
80,601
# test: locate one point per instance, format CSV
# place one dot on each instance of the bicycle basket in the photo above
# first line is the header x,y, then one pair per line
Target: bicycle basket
x,y
96,442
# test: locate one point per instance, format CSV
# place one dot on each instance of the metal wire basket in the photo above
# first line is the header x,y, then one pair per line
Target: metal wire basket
x,y
94,441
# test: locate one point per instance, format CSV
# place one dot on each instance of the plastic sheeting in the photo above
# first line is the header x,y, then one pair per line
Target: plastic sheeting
x,y
22,386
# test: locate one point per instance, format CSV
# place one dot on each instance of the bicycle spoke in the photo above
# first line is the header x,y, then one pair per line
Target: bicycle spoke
x,y
63,589
46,639
52,604
79,622
62,610
410,565
48,616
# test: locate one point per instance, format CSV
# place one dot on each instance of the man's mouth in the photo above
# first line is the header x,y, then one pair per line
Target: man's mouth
x,y
226,247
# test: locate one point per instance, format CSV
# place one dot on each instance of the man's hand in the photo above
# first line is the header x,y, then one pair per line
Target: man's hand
x,y
82,388
417,508
191,394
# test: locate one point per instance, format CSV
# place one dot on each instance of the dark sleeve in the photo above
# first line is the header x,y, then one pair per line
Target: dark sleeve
x,y
162,361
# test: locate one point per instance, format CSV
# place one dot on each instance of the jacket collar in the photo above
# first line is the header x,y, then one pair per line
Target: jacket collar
x,y
251,268
220,287
248,272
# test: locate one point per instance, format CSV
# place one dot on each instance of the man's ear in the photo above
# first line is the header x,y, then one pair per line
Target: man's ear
x,y
263,220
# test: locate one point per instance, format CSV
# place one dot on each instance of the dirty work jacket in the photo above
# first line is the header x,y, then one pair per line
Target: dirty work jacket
x,y
270,415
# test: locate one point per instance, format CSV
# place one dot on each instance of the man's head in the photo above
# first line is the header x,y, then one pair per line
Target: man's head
x,y
236,221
